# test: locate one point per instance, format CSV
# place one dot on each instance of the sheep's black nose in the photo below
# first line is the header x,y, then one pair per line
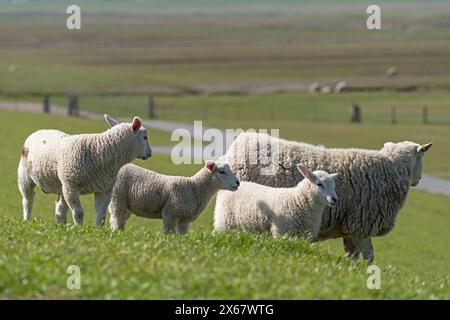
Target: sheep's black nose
x,y
334,199
238,183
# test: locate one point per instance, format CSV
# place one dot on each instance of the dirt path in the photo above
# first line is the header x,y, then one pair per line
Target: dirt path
x,y
428,183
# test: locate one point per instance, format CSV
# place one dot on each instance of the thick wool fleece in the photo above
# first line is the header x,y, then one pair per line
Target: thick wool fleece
x,y
177,200
86,162
372,186
258,208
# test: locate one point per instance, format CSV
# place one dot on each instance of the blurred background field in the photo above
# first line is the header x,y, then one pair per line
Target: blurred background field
x,y
231,64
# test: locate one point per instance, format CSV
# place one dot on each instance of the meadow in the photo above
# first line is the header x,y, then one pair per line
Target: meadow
x,y
143,263
220,45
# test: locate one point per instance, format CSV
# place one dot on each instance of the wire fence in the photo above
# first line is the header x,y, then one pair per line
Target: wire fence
x,y
175,108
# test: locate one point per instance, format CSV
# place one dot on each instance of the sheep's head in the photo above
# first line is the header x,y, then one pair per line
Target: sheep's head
x,y
323,183
140,145
418,166
415,152
222,175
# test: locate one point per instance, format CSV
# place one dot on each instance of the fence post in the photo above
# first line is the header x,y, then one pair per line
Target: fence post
x,y
356,113
69,104
425,114
72,105
393,115
151,107
46,103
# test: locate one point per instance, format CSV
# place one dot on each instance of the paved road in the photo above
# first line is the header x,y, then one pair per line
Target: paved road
x,y
428,183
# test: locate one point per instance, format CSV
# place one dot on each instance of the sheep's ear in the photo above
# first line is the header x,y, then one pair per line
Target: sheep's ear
x,y
210,165
424,148
136,124
333,175
307,173
110,120
387,144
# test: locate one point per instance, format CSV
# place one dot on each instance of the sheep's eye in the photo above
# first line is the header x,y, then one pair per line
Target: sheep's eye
x,y
320,185
222,172
145,138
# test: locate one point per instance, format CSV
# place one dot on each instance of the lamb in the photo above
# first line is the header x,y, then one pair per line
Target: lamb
x,y
372,185
259,208
178,201
73,165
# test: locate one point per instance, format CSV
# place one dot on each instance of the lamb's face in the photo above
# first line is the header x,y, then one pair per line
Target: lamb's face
x,y
323,185
223,177
326,188
143,149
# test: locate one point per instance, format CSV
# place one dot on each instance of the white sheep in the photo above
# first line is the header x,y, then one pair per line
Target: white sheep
x,y
372,185
325,90
178,201
73,165
315,87
341,87
259,208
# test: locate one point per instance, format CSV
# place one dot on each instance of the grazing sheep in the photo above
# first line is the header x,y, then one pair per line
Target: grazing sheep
x,y
314,87
372,185
341,86
72,165
325,90
178,201
258,208
392,72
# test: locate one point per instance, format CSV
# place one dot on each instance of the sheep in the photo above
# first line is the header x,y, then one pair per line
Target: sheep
x,y
314,87
325,90
341,86
178,201
372,185
73,165
392,72
258,208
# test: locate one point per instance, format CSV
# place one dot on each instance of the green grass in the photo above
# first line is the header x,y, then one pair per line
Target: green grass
x,y
143,263
154,46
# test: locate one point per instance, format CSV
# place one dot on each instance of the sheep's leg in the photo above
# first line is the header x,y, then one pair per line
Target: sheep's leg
x,y
73,201
61,209
182,227
26,188
101,205
169,222
367,249
276,231
278,227
351,248
118,216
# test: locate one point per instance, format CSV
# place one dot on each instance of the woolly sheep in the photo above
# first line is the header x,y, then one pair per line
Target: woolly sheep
x,y
73,165
258,208
341,87
392,72
372,185
178,201
314,87
325,90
